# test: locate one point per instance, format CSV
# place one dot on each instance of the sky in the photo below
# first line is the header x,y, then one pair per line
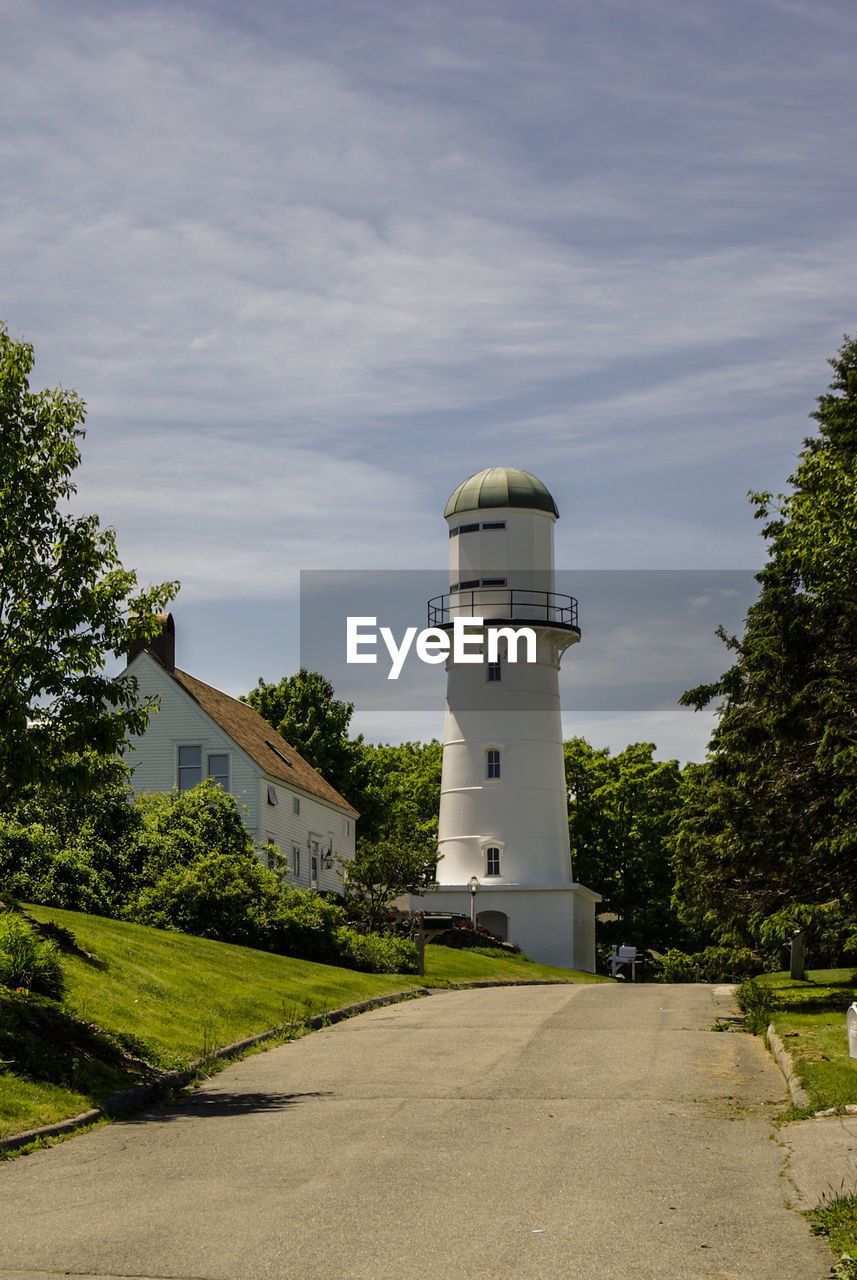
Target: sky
x,y
310,266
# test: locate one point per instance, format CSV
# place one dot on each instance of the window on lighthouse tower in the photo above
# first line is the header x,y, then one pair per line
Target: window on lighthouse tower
x,y
492,763
492,861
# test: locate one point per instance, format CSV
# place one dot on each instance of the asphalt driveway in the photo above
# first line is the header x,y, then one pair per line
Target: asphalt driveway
x,y
509,1133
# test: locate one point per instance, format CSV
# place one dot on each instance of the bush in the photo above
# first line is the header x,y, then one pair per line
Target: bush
x,y
227,897
26,960
727,964
176,828
36,867
464,934
676,966
757,1002
376,952
307,925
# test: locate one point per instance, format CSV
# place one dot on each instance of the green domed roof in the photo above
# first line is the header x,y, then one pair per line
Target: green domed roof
x,y
501,487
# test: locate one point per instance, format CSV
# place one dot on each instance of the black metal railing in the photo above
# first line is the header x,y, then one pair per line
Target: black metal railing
x,y
503,605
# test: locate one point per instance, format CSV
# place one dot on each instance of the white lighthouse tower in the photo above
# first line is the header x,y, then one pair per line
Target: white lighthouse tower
x,y
503,829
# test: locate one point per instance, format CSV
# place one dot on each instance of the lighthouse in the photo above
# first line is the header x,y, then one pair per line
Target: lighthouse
x,y
503,823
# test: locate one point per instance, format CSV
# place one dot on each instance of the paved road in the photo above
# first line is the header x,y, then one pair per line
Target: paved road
x,y
525,1133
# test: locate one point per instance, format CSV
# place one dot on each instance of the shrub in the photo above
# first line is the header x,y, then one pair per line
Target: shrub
x,y
676,966
376,952
176,828
726,964
219,895
26,960
757,1003
36,867
307,925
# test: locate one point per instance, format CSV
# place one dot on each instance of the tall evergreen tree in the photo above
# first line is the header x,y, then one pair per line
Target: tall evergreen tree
x,y
770,820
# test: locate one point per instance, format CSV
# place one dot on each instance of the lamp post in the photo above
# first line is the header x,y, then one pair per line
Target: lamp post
x,y
473,886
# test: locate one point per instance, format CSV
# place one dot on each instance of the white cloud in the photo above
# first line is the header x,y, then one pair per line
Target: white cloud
x,y
311,267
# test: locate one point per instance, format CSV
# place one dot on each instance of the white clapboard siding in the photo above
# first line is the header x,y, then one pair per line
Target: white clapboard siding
x,y
180,721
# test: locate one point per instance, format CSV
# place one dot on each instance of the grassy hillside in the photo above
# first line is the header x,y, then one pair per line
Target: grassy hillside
x,y
147,1001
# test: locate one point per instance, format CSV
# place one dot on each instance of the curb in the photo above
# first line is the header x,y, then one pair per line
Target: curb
x,y
140,1094
783,1059
143,1093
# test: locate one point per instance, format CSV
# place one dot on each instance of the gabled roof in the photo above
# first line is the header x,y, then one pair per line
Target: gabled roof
x,y
263,744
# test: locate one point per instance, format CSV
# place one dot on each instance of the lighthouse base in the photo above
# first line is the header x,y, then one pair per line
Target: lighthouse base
x,y
552,924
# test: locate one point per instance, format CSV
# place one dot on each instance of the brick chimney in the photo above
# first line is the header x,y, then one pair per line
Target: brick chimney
x,y
162,647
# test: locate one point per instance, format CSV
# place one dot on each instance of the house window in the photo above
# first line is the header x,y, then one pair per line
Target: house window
x,y
492,763
218,769
493,673
190,767
296,804
313,871
296,861
272,854
492,861
273,798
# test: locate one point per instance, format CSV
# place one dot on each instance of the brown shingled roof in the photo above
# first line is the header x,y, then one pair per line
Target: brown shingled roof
x,y
262,743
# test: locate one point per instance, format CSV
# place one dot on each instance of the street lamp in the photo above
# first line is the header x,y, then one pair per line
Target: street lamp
x,y
473,886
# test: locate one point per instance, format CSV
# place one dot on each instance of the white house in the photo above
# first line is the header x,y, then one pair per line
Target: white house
x,y
503,826
200,732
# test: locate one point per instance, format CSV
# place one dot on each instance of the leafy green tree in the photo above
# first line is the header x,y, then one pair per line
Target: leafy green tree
x,y
66,602
587,771
771,819
383,870
622,810
400,794
304,709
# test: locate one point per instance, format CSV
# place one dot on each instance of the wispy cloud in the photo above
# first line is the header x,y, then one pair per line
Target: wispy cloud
x,y
311,266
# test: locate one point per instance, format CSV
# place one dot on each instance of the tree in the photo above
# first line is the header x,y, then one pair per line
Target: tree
x,y
397,849
399,797
621,813
771,819
66,603
304,710
383,870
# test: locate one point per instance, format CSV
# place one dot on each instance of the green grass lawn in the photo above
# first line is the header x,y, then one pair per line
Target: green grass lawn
x,y
809,1017
165,999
